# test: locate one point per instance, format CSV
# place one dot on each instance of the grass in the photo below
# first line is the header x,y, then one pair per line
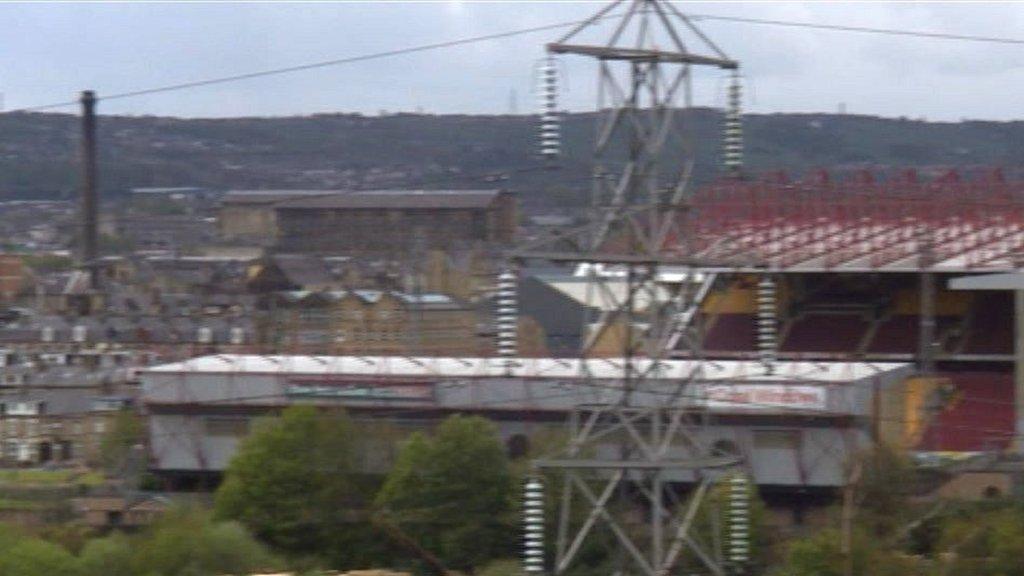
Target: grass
x,y
50,477
14,504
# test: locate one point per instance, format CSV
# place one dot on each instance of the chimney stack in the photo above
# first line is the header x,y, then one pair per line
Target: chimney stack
x,y
89,200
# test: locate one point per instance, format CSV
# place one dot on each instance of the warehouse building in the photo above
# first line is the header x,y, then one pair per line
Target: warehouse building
x,y
374,222
248,216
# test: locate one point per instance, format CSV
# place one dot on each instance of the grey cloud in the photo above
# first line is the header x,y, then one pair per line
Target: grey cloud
x,y
55,50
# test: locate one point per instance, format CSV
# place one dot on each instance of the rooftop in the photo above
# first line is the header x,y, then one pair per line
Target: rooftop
x,y
469,367
862,223
396,199
269,196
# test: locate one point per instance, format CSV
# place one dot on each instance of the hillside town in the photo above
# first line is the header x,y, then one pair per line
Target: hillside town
x,y
768,350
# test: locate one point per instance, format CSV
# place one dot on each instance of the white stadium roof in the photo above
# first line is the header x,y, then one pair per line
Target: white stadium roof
x,y
607,368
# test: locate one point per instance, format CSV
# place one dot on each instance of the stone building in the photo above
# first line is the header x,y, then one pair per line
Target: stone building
x,y
55,426
14,276
249,217
387,222
377,322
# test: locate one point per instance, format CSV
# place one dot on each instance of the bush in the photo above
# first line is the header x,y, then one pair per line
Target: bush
x,y
110,556
33,557
189,543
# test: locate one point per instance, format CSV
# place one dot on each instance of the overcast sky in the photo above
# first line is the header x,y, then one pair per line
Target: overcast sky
x,y
49,52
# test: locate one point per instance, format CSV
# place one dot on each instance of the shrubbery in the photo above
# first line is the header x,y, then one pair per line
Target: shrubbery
x,y
185,543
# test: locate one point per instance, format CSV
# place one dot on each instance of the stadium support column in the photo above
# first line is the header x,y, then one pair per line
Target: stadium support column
x,y
1018,370
926,345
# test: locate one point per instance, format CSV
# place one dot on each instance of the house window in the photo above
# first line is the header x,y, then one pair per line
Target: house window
x,y
24,452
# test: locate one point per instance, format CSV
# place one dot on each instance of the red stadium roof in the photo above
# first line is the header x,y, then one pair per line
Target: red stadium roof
x,y
899,224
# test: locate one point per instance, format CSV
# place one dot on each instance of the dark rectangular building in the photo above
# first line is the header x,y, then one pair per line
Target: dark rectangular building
x,y
384,221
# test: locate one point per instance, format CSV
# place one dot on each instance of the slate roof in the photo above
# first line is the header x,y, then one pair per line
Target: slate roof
x,y
269,196
302,270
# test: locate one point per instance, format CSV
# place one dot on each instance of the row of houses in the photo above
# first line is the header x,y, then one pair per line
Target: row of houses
x,y
56,408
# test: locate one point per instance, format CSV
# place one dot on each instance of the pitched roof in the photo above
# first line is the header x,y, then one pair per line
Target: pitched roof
x,y
302,270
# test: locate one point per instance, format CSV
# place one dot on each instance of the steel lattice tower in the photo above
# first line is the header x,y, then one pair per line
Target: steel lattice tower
x,y
646,52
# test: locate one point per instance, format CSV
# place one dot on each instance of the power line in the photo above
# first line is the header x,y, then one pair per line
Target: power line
x,y
861,29
311,66
519,32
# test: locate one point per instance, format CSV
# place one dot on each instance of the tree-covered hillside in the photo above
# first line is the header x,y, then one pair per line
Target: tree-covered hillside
x,y
37,151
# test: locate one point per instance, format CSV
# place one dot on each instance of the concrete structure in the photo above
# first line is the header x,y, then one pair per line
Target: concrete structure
x,y
795,427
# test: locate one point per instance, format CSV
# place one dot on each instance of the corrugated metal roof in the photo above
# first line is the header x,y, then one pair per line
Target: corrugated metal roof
x,y
610,368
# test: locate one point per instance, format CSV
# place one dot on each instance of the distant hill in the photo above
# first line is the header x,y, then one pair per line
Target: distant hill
x,y
37,151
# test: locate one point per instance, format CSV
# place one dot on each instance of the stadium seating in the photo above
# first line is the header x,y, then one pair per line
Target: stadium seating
x,y
977,414
731,333
824,332
991,330
898,334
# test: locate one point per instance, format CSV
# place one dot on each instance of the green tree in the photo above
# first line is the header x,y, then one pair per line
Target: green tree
x,y
110,556
882,493
291,480
190,543
711,524
125,431
454,493
34,557
821,555
1008,542
502,567
982,540
818,555
9,536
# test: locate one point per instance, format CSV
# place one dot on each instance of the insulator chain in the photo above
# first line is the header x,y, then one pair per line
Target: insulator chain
x,y
550,122
732,153
739,522
507,315
767,329
533,526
